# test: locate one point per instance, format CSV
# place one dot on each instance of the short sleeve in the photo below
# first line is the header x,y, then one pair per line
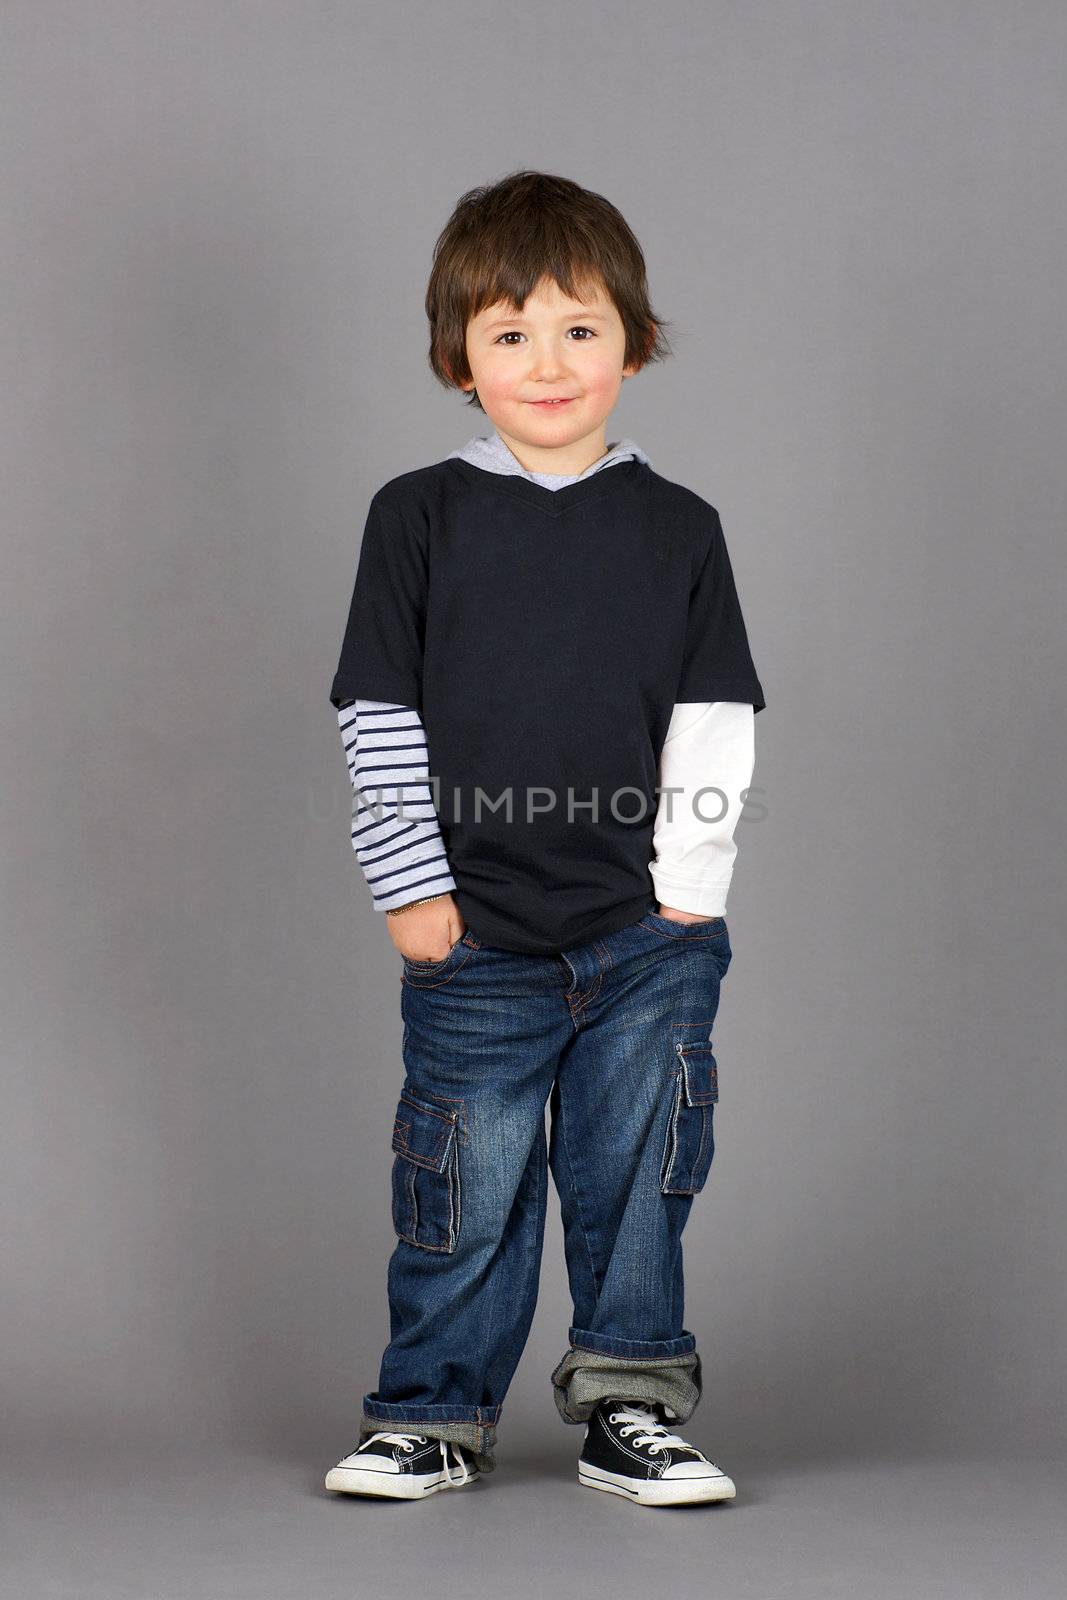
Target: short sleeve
x,y
381,654
717,663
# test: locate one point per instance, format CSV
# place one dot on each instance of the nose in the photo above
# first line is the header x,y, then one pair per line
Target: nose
x,y
546,363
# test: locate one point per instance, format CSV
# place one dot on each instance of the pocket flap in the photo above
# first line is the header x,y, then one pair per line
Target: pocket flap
x,y
422,1132
701,1074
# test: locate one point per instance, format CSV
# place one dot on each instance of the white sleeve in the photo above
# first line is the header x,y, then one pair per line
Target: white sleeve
x,y
709,745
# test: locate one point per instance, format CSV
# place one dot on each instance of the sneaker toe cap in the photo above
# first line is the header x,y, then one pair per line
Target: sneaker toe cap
x,y
367,1463
696,1469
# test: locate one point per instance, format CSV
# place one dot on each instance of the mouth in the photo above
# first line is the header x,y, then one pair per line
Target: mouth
x,y
551,405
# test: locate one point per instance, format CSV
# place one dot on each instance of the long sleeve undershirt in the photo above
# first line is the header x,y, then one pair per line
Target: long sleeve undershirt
x,y
709,745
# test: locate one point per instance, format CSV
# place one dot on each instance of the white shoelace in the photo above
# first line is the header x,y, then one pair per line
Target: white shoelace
x,y
646,1428
407,1441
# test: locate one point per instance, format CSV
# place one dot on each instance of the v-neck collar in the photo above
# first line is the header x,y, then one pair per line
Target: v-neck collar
x,y
553,501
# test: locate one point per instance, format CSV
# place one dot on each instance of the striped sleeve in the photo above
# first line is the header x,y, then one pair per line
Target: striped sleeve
x,y
395,830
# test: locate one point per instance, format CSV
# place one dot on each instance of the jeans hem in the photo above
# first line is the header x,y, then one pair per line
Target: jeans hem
x,y
587,1376
471,1426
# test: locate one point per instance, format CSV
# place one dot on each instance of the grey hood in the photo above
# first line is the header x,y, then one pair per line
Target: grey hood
x,y
491,453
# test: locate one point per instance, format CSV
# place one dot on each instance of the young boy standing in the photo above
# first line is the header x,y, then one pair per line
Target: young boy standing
x,y
546,692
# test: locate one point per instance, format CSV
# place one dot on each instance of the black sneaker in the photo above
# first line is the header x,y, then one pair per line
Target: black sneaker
x,y
404,1466
629,1451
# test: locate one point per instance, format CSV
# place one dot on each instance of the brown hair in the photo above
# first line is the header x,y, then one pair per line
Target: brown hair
x,y
503,238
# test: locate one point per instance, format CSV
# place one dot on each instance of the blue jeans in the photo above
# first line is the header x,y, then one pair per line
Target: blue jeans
x,y
617,1035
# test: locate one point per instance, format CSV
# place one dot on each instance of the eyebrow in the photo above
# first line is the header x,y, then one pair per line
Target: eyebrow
x,y
565,316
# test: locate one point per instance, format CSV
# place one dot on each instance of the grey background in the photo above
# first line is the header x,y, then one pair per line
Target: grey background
x,y
217,227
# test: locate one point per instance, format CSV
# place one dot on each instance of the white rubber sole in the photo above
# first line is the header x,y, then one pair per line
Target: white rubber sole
x,y
392,1486
658,1491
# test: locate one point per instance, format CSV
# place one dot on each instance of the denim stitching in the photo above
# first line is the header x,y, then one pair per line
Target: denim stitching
x,y
618,1355
449,1172
386,1411
604,952
464,1119
402,1128
670,1144
685,938
706,1114
693,1052
583,1000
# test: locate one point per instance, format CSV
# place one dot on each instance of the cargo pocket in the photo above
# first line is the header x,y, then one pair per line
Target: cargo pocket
x,y
425,1174
690,1142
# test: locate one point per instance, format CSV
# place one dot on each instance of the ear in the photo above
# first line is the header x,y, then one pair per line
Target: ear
x,y
650,339
466,387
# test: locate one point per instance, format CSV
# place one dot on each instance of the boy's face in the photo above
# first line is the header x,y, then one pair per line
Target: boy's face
x,y
556,348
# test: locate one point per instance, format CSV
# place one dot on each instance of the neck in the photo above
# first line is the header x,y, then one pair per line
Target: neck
x,y
567,460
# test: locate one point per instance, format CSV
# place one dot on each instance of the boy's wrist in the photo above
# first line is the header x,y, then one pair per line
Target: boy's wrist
x,y
394,911
673,914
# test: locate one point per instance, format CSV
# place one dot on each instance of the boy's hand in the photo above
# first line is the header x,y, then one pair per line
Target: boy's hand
x,y
427,932
682,916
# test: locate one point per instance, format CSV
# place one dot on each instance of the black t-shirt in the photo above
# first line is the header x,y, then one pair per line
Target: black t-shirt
x,y
544,636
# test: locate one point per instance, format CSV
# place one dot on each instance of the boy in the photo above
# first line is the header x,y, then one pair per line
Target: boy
x,y
545,668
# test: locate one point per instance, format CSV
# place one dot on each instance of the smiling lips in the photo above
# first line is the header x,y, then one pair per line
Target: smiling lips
x,y
564,402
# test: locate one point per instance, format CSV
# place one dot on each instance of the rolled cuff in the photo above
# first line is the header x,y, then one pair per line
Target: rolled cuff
x,y
599,1368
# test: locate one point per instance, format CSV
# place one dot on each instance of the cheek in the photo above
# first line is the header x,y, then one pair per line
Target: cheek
x,y
498,386
497,383
601,378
